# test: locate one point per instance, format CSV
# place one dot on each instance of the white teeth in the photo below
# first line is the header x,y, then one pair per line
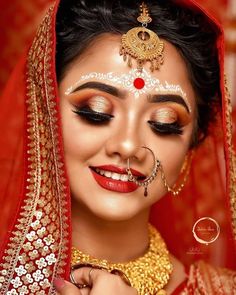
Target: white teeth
x,y
107,173
113,175
99,171
124,177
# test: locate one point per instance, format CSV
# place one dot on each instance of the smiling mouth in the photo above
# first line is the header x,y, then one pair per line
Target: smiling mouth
x,y
112,175
114,178
115,175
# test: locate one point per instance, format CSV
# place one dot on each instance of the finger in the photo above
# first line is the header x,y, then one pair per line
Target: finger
x,y
91,275
85,291
103,282
65,288
88,275
122,275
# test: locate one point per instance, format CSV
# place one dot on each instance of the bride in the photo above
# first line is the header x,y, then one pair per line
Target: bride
x,y
113,116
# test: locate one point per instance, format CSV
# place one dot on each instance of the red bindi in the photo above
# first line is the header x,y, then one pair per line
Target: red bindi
x,y
139,83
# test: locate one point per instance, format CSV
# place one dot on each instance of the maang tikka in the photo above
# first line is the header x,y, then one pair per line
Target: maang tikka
x,y
142,44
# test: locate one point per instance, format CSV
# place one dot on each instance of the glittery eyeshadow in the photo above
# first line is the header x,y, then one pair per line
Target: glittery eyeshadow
x,y
99,104
164,115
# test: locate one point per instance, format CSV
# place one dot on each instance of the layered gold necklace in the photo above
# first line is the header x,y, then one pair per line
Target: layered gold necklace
x,y
148,274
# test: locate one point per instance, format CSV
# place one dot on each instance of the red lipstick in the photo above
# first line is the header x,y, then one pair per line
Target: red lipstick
x,y
112,184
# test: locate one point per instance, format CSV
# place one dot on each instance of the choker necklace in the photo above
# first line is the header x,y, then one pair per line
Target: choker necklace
x,y
147,274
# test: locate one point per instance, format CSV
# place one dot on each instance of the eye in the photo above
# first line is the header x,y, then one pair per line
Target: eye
x,y
166,128
92,116
95,110
165,121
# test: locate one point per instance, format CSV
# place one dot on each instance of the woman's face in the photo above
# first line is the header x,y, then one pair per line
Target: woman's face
x,y
105,123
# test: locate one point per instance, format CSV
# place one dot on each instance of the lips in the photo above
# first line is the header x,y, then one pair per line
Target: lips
x,y
115,178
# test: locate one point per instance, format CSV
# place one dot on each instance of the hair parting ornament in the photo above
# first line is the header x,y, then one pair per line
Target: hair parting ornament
x,y
142,44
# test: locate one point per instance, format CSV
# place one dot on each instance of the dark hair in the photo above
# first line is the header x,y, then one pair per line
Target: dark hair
x,y
79,22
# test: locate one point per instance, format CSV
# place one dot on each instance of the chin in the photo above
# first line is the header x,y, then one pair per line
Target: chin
x,y
112,206
116,215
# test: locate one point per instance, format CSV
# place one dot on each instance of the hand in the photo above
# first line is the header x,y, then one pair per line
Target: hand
x,y
100,282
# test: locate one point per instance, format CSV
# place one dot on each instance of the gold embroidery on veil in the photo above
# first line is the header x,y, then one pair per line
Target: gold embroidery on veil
x,y
39,242
232,157
209,280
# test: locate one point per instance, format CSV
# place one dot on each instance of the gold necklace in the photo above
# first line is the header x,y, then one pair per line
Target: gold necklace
x,y
147,274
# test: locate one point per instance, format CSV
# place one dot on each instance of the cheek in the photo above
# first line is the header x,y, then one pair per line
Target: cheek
x,y
172,165
81,140
171,152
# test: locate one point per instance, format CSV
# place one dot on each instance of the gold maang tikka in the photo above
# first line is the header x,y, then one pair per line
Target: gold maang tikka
x,y
142,44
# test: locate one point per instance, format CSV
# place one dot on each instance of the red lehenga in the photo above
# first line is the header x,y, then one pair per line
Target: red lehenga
x,y
35,198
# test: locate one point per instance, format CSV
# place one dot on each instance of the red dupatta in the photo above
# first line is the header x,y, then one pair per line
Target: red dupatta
x,y
38,246
35,198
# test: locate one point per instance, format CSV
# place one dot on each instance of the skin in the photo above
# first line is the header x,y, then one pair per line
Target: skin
x,y
98,214
103,284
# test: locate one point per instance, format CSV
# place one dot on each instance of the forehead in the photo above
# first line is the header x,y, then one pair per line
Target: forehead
x,y
103,56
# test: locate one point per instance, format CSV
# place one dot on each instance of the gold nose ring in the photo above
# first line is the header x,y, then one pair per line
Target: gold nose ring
x,y
149,179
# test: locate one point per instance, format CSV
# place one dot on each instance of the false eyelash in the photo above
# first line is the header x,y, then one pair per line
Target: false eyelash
x,y
166,128
91,116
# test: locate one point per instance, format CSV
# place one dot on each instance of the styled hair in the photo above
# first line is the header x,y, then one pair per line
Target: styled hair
x,y
79,22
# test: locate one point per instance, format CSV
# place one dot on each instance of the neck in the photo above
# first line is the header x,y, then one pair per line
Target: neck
x,y
115,241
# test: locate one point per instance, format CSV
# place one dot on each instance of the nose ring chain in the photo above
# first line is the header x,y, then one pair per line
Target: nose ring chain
x,y
149,179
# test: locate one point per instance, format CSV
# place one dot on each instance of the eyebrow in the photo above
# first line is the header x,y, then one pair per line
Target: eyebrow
x,y
161,98
156,98
102,87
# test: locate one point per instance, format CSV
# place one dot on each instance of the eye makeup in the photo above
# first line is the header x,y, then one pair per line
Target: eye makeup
x,y
98,111
99,104
166,128
165,121
95,110
135,81
164,115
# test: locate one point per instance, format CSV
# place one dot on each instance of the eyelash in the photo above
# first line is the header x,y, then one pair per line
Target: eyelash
x,y
166,128
94,117
91,116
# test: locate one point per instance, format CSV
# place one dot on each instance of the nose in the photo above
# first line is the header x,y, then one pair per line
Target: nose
x,y
126,142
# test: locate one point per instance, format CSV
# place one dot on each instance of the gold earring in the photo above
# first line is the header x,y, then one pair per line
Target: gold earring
x,y
176,189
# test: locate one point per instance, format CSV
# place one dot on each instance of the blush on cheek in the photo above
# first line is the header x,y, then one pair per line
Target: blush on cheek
x,y
83,142
172,156
80,140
